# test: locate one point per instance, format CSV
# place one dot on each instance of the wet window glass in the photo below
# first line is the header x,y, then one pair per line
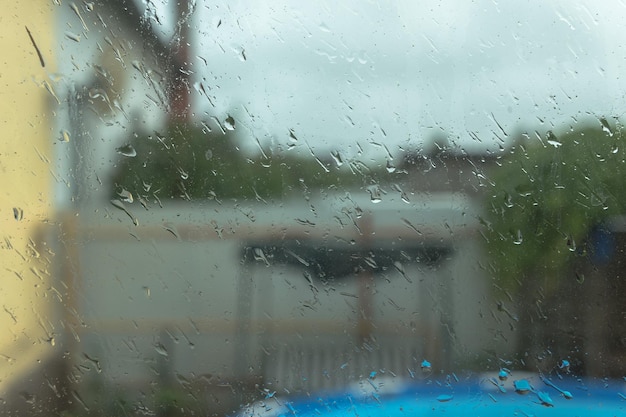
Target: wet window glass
x,y
245,209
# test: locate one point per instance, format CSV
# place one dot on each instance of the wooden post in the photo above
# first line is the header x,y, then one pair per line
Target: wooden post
x,y
366,283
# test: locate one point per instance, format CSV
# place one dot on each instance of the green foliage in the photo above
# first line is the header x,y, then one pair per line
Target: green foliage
x,y
548,194
187,163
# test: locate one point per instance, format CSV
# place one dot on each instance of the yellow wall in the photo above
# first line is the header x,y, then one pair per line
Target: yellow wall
x,y
27,318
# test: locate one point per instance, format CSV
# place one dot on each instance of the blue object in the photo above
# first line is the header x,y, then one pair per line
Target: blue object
x,y
470,397
602,245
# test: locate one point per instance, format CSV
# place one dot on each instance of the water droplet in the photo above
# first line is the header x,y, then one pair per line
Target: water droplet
x,y
94,361
208,154
497,384
65,136
605,126
160,349
425,365
337,157
127,150
72,36
50,90
444,397
172,230
409,224
260,256
229,123
519,238
400,268
80,17
580,278
118,204
362,57
564,365
79,399
503,374
552,139
508,201
183,174
18,213
545,399
373,374
522,386
126,196
566,394
390,168
375,196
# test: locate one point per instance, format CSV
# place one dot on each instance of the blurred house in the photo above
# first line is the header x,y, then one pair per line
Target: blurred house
x,y
65,88
29,346
300,294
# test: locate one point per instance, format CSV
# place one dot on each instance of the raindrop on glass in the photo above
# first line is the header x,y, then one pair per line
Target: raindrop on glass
x,y
522,386
375,195
72,36
605,126
552,139
580,278
337,157
18,213
545,399
160,349
229,123
65,136
260,256
126,196
127,150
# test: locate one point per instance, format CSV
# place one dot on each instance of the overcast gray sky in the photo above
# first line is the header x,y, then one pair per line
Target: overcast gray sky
x,y
340,73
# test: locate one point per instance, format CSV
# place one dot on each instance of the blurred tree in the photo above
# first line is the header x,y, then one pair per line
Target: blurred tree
x,y
547,197
550,196
186,162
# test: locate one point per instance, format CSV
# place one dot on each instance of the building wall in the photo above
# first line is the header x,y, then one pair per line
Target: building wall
x,y
28,295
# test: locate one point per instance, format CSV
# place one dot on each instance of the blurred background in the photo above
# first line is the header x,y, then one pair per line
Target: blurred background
x,y
211,203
